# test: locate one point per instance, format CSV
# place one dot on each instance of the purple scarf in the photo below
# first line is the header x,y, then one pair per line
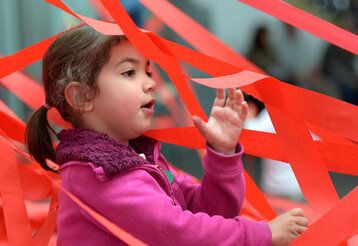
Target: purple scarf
x,y
100,149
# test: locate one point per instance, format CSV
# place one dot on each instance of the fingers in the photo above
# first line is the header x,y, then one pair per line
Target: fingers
x,y
234,101
235,97
296,212
244,110
231,98
302,221
240,105
200,125
220,98
301,229
239,98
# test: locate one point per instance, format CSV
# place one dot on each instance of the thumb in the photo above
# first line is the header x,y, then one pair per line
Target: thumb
x,y
199,124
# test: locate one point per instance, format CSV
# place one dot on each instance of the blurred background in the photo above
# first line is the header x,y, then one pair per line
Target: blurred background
x,y
282,51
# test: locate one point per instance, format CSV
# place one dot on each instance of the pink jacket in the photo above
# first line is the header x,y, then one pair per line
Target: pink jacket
x,y
142,201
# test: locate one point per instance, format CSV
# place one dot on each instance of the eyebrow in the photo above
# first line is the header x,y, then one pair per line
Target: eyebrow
x,y
131,60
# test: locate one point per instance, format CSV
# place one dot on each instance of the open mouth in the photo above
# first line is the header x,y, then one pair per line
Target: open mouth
x,y
150,104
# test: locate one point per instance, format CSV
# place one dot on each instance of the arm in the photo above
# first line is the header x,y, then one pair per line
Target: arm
x,y
222,190
149,214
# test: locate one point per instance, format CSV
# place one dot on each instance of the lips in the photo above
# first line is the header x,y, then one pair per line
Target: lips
x,y
149,105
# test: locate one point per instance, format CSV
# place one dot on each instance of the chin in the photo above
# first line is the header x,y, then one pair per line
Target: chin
x,y
141,132
140,129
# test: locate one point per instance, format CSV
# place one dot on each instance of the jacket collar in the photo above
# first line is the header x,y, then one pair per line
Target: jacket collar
x,y
100,149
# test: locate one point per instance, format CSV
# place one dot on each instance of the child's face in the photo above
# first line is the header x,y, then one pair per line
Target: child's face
x,y
124,106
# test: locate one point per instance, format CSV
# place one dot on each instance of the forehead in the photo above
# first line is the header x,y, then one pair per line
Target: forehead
x,y
124,49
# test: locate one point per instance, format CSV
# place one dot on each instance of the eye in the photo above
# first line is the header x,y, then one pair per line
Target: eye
x,y
129,73
149,74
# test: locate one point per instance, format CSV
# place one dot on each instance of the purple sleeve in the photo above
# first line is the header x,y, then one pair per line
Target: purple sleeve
x,y
136,203
222,190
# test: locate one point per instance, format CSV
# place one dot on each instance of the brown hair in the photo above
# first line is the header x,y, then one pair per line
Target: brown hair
x,y
77,55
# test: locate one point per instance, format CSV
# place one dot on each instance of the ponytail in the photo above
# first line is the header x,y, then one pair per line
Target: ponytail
x,y
38,138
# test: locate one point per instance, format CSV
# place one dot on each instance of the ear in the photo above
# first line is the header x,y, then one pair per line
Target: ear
x,y
74,95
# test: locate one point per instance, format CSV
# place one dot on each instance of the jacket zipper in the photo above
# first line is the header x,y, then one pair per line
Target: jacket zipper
x,y
163,182
159,171
156,155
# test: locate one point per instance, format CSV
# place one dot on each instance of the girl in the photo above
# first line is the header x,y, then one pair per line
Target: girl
x,y
103,86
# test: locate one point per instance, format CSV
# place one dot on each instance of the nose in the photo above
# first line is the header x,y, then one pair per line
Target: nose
x,y
149,84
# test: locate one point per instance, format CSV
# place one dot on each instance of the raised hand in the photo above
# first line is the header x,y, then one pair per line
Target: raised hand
x,y
226,121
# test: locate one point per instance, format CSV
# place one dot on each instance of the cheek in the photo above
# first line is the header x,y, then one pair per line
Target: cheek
x,y
128,106
113,95
118,98
125,105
